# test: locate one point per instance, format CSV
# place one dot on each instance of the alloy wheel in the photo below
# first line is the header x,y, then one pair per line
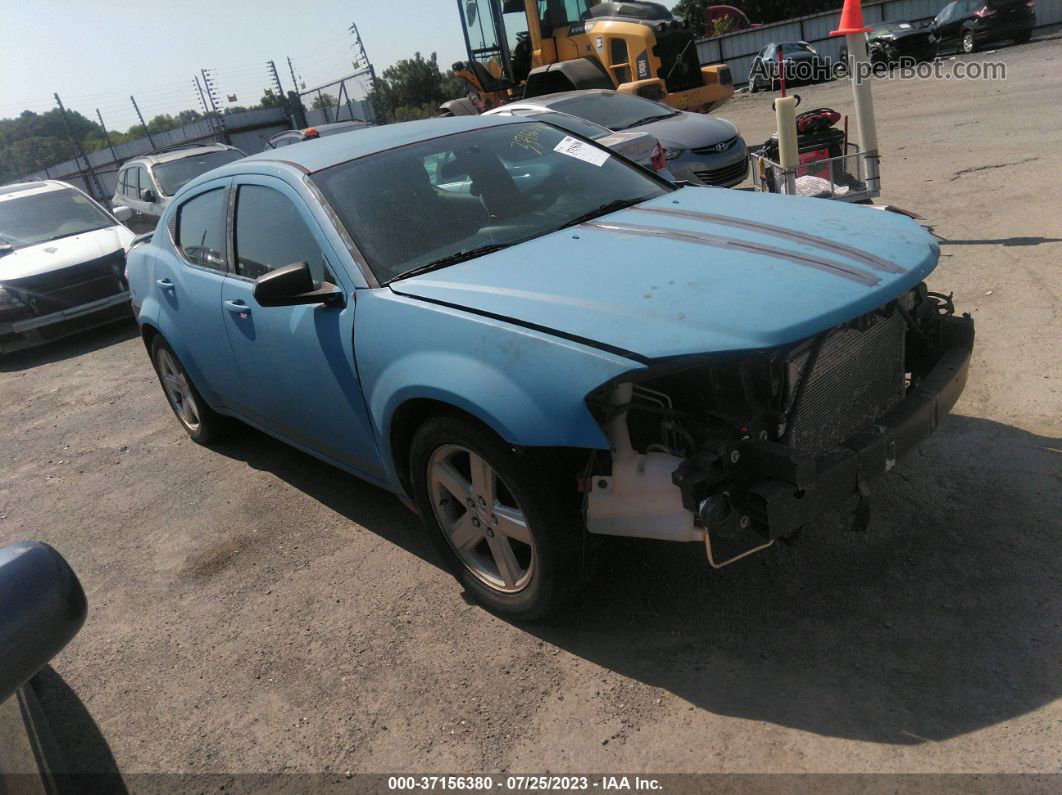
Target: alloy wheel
x,y
178,390
967,42
481,519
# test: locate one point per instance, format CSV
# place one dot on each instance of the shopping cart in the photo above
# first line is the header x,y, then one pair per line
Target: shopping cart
x,y
850,177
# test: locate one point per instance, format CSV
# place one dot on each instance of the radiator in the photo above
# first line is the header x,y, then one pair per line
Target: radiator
x,y
856,377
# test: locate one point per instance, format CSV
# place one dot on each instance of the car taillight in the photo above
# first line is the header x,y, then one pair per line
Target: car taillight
x,y
659,158
986,11
1030,3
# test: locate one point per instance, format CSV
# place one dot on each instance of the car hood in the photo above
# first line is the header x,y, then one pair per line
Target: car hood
x,y
64,252
690,130
695,271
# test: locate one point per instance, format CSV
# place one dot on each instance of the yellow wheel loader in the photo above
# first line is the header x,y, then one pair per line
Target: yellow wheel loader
x,y
526,48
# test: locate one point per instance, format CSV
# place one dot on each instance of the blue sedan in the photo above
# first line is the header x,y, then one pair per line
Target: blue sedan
x,y
530,339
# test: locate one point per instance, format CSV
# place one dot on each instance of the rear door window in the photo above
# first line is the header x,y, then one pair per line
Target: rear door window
x,y
201,229
270,233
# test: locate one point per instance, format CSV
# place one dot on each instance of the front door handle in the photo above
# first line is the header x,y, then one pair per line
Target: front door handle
x,y
239,308
165,284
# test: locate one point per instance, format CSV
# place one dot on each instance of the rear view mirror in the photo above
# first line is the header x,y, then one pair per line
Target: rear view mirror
x,y
42,606
292,285
123,214
148,195
471,12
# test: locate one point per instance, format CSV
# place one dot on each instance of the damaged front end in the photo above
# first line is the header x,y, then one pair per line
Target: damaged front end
x,y
740,450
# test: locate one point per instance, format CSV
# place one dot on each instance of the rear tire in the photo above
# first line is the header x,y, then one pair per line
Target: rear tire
x,y
508,530
202,424
1023,38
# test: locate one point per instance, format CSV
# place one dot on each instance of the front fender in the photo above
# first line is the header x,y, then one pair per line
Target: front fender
x,y
526,385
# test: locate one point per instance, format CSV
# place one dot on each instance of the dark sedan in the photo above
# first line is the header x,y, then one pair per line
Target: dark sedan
x,y
969,24
802,64
889,43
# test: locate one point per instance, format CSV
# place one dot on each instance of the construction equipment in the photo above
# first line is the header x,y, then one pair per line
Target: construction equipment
x,y
526,48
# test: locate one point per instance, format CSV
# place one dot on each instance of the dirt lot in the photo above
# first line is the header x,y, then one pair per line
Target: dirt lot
x,y
252,609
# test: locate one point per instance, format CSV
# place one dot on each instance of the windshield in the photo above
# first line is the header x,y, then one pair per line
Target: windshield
x,y
30,220
437,202
792,48
174,175
615,111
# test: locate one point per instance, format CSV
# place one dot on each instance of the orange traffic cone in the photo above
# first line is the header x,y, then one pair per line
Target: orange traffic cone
x,y
851,19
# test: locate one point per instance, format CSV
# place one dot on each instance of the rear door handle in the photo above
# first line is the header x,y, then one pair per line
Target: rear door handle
x,y
165,284
238,307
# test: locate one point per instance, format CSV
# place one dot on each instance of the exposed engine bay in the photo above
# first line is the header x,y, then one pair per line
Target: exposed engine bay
x,y
751,447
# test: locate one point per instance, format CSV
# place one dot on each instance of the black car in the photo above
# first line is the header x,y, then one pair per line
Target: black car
x,y
801,62
289,137
890,42
968,24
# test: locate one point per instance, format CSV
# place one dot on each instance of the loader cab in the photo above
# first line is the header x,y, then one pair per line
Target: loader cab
x,y
526,48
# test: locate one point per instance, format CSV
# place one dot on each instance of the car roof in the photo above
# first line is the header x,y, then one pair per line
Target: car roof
x,y
18,190
178,153
331,150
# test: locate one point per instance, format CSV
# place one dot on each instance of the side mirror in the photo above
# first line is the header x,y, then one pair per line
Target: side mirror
x,y
42,606
292,285
123,214
148,195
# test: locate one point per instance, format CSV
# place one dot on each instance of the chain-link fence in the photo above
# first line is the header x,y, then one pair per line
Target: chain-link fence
x,y
345,99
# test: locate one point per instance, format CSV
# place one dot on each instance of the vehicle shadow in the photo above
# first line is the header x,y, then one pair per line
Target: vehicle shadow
x,y
69,347
367,505
1003,241
85,763
940,620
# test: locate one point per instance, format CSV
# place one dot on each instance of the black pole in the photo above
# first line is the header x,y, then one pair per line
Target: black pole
x,y
90,174
107,136
295,82
213,106
140,115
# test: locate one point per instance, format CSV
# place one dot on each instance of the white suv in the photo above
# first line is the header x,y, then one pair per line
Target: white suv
x,y
146,184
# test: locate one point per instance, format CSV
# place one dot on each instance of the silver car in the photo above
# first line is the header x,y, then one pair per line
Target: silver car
x,y
701,149
146,184
637,146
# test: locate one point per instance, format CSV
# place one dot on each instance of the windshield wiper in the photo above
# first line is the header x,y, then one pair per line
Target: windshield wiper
x,y
604,209
646,120
451,259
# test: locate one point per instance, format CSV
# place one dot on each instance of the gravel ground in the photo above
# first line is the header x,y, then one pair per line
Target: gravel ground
x,y
252,609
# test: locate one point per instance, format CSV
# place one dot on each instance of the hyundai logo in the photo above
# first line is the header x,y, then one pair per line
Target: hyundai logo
x,y
722,147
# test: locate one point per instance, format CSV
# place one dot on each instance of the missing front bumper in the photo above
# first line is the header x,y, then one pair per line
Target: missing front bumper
x,y
784,489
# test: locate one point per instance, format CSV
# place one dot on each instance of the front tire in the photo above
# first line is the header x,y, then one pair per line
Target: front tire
x,y
969,43
202,423
506,526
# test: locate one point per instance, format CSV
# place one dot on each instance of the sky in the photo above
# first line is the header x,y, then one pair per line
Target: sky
x,y
95,53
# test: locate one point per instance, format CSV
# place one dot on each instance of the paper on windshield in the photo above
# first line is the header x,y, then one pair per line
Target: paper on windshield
x,y
581,150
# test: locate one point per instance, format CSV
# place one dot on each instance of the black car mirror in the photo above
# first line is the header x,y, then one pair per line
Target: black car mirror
x,y
292,285
42,606
148,195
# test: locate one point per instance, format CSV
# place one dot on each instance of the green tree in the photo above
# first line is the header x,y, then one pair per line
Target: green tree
x,y
414,88
323,101
270,99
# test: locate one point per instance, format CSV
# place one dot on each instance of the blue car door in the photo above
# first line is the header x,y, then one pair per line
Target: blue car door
x,y
188,282
296,362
